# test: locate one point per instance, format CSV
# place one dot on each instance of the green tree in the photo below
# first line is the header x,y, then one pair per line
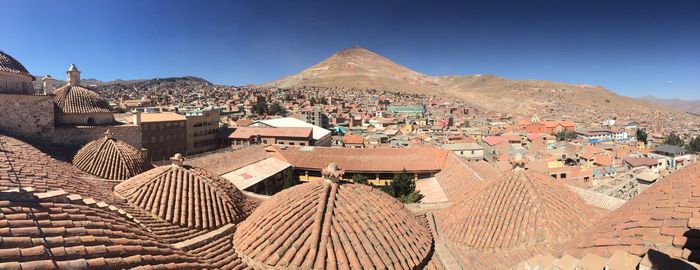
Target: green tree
x,y
403,188
694,144
359,179
277,109
642,136
312,101
565,135
260,106
323,100
674,139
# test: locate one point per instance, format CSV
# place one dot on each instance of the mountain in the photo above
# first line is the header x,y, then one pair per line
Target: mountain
x,y
691,106
360,68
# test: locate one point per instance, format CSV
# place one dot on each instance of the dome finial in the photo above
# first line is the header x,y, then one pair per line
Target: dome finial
x,y
108,134
178,160
332,173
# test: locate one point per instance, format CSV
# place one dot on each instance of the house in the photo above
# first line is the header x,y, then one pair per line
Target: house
x,y
638,163
469,151
550,127
602,135
676,157
353,141
271,135
321,136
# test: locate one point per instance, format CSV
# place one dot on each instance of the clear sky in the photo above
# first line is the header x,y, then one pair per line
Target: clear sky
x,y
635,48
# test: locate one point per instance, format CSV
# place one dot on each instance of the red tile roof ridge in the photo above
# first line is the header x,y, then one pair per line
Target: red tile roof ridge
x,y
515,208
320,224
110,158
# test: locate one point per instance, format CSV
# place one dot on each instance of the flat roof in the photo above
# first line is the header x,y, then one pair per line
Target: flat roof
x,y
159,117
252,174
288,132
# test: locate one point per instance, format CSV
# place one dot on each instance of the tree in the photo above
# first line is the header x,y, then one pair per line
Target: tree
x,y
694,144
674,139
323,100
260,106
642,136
565,135
359,179
312,101
277,109
403,188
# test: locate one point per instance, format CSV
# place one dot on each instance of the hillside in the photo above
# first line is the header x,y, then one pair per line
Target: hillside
x,y
361,68
691,106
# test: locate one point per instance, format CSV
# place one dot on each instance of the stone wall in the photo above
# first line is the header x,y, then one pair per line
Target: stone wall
x,y
15,84
97,118
27,116
80,135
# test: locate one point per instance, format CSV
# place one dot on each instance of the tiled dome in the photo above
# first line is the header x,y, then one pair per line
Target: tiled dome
x,y
11,65
327,225
665,217
186,196
515,209
54,230
71,99
109,158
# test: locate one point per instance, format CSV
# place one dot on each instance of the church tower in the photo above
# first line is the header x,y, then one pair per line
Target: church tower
x,y
73,75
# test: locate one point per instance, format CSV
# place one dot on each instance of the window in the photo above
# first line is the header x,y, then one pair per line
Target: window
x,y
563,176
154,139
302,144
91,121
291,143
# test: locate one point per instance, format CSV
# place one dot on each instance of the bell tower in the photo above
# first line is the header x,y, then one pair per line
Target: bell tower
x,y
73,75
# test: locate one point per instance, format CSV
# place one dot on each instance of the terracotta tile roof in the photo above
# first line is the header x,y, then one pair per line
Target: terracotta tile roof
x,y
109,158
244,133
366,159
219,251
515,209
78,99
186,196
640,161
11,65
353,139
54,230
665,217
456,178
228,161
325,225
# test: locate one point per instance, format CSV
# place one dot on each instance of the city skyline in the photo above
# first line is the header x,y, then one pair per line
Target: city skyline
x,y
632,48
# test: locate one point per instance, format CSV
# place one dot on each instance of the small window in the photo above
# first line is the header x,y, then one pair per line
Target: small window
x,y
563,176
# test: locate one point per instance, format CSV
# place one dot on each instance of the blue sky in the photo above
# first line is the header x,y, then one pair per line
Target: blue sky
x,y
635,48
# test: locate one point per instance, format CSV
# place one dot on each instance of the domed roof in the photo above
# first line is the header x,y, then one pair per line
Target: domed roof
x,y
11,65
109,158
665,217
186,196
328,225
516,208
78,99
56,230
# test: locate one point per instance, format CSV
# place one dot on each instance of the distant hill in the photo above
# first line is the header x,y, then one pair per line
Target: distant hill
x,y
691,106
91,81
360,68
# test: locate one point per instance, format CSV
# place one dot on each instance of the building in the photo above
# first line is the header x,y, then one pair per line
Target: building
x,y
470,151
379,165
353,141
602,135
270,135
321,136
315,116
109,158
675,156
202,130
412,110
69,116
550,127
163,134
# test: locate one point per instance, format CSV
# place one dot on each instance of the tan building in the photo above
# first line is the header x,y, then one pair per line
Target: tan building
x,y
163,134
268,135
202,129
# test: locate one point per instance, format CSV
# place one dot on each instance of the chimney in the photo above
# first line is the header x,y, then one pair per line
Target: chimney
x,y
48,84
136,115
